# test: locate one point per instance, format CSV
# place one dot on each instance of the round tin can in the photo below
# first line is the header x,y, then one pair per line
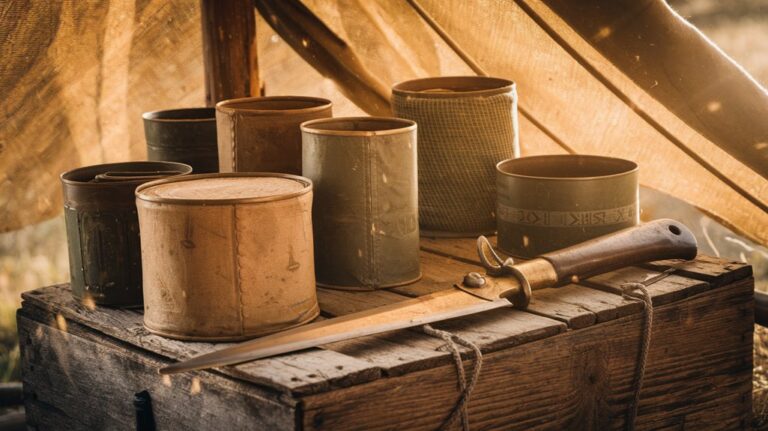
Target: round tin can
x,y
467,124
546,203
103,229
366,201
261,134
183,135
227,256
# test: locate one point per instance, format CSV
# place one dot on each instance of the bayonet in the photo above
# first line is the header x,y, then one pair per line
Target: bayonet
x,y
505,284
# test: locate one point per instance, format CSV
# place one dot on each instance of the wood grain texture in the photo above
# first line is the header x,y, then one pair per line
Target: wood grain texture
x,y
229,50
302,372
566,363
67,388
581,379
714,270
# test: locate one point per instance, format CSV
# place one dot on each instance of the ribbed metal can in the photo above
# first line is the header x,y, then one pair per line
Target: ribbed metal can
x,y
366,201
227,256
467,124
261,134
183,135
103,229
546,203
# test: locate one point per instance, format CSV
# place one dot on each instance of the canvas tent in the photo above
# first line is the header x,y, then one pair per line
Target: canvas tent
x,y
624,78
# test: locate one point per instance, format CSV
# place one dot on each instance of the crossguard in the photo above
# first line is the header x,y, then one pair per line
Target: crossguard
x,y
497,268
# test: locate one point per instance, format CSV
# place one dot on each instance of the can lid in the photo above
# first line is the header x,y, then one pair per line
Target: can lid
x,y
226,188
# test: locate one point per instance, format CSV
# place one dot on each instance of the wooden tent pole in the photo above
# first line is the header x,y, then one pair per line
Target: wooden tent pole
x,y
229,49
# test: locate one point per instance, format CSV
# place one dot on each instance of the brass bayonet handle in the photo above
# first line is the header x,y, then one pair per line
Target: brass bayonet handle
x,y
656,240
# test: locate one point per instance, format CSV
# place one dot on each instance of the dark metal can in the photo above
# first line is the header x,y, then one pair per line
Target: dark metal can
x,y
103,229
183,135
261,134
365,213
546,203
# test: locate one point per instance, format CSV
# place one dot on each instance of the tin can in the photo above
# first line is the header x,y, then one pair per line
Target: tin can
x,y
183,135
227,256
467,124
261,134
366,206
103,229
546,203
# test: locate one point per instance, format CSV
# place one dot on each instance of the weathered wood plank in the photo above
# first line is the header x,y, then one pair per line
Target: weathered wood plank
x,y
581,379
462,248
402,351
580,307
669,289
80,381
714,270
302,372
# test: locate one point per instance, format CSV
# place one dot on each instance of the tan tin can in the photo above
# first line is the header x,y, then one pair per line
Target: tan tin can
x,y
227,256
546,203
261,134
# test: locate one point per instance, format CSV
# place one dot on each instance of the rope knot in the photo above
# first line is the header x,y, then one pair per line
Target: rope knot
x,y
452,343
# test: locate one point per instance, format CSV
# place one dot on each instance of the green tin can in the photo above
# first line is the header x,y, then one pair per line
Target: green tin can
x,y
365,213
546,203
103,229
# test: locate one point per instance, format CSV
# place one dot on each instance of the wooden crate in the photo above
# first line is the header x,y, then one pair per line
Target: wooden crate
x,y
567,362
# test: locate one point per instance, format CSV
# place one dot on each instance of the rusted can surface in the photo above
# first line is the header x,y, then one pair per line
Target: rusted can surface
x,y
467,124
366,201
546,203
261,134
227,256
103,229
183,135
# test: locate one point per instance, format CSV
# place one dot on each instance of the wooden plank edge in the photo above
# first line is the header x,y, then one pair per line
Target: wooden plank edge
x,y
349,376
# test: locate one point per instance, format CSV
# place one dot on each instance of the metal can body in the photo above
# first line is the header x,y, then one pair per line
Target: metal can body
x,y
466,126
183,135
261,134
227,256
103,229
546,203
366,201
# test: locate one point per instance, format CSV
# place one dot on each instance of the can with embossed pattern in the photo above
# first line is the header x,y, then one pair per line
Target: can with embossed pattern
x,y
366,201
546,203
227,256
103,229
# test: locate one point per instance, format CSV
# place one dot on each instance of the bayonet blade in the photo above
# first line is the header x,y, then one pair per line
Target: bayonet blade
x,y
435,307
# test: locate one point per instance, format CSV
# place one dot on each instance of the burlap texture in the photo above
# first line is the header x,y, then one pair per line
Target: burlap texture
x,y
460,141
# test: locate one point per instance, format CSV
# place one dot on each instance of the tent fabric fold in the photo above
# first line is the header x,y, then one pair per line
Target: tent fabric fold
x,y
622,78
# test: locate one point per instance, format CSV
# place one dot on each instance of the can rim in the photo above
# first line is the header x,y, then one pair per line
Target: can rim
x,y
489,86
65,177
229,106
159,116
629,167
305,181
405,125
